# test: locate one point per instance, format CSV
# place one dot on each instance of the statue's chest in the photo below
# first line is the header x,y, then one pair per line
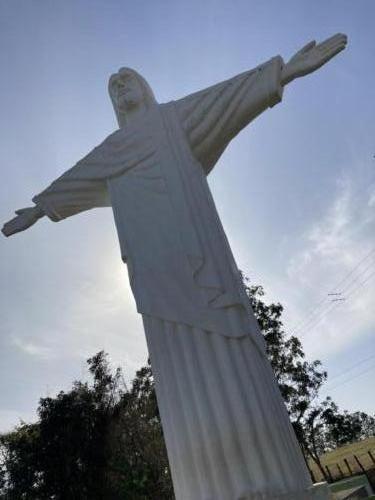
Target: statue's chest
x,y
142,198
146,161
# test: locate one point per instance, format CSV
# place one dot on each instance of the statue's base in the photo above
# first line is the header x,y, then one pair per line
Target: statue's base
x,y
320,491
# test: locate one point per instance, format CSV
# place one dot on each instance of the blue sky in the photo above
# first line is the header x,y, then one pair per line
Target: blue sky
x,y
296,189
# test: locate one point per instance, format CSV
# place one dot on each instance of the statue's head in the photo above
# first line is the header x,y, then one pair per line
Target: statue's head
x,y
129,93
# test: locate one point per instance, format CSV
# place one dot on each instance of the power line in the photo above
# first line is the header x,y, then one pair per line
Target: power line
x,y
328,306
351,367
354,268
312,313
300,323
357,277
352,378
363,283
366,186
333,303
336,304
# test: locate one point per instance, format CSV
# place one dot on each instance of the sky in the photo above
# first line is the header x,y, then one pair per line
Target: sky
x,y
295,190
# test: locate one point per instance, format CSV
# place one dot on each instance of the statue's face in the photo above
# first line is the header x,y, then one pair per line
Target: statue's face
x,y
129,92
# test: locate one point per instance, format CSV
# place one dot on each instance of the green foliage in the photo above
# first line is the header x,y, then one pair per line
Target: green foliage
x,y
19,462
97,441
64,454
299,380
326,428
104,440
139,465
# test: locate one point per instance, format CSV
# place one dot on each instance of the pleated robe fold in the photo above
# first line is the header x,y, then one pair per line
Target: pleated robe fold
x,y
227,431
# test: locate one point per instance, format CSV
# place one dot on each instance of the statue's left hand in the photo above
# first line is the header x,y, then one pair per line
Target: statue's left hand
x,y
26,217
312,57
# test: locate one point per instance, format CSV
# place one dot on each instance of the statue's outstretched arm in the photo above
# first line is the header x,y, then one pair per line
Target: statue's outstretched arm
x,y
312,56
26,217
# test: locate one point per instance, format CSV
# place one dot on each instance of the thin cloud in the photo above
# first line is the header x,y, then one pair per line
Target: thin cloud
x,y
32,347
336,257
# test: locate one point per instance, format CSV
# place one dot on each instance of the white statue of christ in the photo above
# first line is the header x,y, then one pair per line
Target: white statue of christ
x,y
226,428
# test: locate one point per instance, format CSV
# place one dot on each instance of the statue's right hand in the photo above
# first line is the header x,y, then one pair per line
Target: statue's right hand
x,y
26,217
312,56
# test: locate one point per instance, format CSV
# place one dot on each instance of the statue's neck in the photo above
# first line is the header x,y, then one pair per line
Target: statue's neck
x,y
133,115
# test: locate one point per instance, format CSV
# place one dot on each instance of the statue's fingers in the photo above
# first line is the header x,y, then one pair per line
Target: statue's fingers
x,y
333,41
307,47
9,228
332,49
329,54
20,211
5,231
334,38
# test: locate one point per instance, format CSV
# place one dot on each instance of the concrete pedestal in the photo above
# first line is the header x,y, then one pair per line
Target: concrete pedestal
x,y
321,491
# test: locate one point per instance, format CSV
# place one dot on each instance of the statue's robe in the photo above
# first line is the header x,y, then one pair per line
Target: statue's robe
x,y
227,431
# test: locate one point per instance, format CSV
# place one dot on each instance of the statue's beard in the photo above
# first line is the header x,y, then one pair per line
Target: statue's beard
x,y
127,103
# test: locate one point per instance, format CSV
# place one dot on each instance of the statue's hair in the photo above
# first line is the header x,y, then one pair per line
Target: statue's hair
x,y
148,95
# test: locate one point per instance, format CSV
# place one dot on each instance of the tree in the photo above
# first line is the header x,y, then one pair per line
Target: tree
x,y
325,428
299,380
99,440
64,455
319,426
139,464
105,440
311,433
20,476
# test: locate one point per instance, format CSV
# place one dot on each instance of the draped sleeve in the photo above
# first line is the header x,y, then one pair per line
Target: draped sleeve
x,y
84,186
212,117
